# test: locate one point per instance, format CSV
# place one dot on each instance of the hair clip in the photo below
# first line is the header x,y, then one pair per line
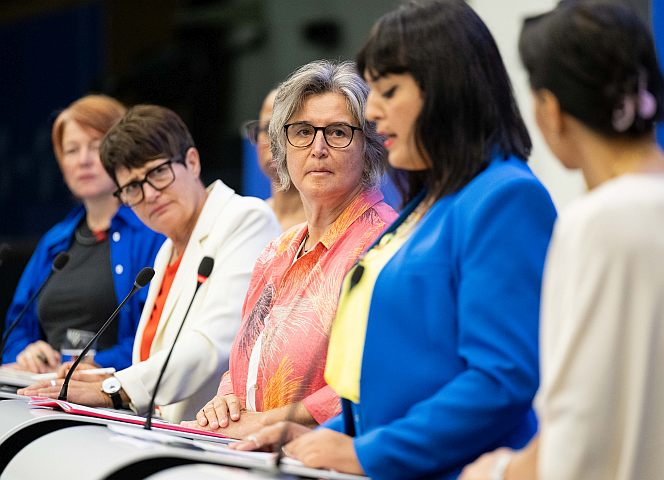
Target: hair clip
x,y
647,103
642,103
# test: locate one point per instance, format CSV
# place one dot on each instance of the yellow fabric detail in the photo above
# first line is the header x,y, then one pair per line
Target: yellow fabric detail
x,y
344,355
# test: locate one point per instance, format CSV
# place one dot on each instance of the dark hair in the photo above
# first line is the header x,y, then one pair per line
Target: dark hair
x,y
145,133
469,110
599,60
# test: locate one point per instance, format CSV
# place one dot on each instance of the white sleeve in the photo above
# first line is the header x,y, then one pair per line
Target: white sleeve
x,y
203,349
600,281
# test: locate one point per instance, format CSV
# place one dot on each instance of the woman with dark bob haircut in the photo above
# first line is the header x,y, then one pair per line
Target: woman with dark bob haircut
x,y
435,344
598,92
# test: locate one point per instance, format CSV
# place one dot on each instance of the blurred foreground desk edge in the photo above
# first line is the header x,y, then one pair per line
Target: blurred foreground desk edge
x,y
96,452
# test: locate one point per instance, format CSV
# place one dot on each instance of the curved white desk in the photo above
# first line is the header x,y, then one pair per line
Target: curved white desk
x,y
97,452
20,425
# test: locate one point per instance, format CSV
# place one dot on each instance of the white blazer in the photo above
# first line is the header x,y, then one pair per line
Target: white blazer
x,y
233,230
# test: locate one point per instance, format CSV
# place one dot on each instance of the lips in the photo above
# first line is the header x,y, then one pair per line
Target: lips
x,y
388,139
86,178
319,171
158,210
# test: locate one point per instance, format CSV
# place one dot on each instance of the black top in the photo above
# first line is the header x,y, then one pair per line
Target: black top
x,y
82,295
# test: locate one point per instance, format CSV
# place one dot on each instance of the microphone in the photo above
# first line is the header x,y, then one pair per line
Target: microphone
x,y
4,248
142,279
204,271
59,263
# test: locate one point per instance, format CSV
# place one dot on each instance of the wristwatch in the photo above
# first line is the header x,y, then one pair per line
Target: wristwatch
x,y
111,387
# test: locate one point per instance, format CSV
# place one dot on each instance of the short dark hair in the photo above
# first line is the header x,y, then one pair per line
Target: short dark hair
x,y
469,110
145,133
594,57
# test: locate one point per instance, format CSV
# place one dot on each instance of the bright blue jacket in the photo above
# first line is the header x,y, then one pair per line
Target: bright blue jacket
x,y
133,246
450,360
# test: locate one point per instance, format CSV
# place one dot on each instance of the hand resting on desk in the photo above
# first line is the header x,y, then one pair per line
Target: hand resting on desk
x,y
83,393
321,448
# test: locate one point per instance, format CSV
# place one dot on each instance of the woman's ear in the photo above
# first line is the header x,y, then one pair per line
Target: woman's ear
x,y
193,161
548,114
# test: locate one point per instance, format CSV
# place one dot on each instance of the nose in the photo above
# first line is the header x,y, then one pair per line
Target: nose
x,y
319,147
372,111
87,155
149,192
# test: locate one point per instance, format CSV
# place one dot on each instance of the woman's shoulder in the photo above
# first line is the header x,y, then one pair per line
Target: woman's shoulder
x,y
502,174
504,184
622,212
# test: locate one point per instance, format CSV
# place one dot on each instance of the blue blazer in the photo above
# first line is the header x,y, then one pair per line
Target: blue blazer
x,y
450,360
133,246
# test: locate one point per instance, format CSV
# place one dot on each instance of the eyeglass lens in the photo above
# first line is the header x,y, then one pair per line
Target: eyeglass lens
x,y
302,134
159,178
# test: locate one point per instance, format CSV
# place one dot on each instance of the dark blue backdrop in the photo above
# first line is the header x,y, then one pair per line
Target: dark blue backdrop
x,y
47,62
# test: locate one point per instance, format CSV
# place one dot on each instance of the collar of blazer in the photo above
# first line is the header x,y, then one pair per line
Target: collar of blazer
x,y
219,195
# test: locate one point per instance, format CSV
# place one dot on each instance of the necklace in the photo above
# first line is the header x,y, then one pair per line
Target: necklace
x,y
304,242
301,250
85,236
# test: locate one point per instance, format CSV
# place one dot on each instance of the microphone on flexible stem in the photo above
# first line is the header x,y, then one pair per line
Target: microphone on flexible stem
x,y
4,248
204,271
59,263
142,279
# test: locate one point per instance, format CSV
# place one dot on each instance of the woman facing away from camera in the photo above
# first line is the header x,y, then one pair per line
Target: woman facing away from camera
x,y
434,346
286,203
107,247
598,92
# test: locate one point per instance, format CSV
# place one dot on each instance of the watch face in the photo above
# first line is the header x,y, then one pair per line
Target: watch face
x,y
111,385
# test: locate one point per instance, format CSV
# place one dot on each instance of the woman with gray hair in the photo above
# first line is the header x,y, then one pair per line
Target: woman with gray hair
x,y
322,144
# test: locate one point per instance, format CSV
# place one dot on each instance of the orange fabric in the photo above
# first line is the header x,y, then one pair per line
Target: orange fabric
x,y
155,316
299,298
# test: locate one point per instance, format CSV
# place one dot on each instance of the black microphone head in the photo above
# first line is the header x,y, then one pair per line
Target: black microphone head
x,y
144,277
205,267
60,261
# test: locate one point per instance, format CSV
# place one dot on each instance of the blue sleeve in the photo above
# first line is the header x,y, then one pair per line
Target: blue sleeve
x,y
501,238
335,423
135,254
27,330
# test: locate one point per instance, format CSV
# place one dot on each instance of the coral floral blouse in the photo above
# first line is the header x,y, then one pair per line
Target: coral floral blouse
x,y
289,309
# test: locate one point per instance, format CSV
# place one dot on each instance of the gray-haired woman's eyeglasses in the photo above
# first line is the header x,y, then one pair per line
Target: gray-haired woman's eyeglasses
x,y
337,135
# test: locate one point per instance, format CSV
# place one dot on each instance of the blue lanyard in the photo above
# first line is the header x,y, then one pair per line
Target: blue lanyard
x,y
356,276
358,268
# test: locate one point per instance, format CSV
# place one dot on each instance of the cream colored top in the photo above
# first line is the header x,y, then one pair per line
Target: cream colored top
x,y
601,401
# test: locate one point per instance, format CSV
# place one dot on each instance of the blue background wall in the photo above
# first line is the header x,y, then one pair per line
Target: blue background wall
x,y
658,28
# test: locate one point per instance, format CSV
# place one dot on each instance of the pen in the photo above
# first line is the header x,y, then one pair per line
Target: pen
x,y
90,371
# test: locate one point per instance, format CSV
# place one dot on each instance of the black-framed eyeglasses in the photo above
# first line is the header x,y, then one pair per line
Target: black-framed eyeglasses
x,y
158,178
253,129
337,135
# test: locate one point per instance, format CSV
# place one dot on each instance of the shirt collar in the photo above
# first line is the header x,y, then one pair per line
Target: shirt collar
x,y
355,209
